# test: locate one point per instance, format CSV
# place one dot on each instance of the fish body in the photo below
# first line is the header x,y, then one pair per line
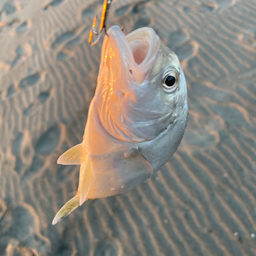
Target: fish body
x,y
136,119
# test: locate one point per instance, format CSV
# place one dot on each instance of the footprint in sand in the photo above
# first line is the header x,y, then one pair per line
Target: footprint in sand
x,y
90,10
209,7
21,229
48,141
30,171
10,91
143,21
30,80
138,7
16,148
180,43
22,27
120,12
33,107
63,55
23,151
44,96
17,144
65,37
177,38
19,52
186,51
53,4
74,41
225,3
134,9
9,9
219,4
65,42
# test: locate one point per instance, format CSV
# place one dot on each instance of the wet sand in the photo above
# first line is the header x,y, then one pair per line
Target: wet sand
x,y
202,202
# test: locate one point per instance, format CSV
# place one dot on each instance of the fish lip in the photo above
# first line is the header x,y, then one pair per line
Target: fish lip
x,y
139,71
116,33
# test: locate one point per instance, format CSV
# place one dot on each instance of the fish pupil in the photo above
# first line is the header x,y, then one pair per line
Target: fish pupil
x,y
170,81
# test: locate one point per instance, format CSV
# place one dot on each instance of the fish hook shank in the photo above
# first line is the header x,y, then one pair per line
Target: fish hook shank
x,y
94,31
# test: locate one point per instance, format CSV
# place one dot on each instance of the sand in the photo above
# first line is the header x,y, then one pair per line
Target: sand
x,y
202,202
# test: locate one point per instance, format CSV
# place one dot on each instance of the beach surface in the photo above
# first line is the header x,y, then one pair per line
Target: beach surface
x,y
201,203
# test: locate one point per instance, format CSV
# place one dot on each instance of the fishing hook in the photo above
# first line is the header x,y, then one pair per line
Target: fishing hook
x,y
94,31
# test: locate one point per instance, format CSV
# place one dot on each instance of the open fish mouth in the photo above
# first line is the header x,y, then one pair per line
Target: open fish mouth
x,y
138,50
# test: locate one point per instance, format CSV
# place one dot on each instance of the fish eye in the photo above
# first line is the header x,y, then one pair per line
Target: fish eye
x,y
169,81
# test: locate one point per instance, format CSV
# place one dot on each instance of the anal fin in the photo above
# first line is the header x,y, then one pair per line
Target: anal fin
x,y
73,156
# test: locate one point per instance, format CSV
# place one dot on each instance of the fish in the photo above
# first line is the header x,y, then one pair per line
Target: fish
x,y
136,119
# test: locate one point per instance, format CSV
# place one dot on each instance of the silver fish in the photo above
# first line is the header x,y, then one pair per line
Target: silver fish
x,y
136,119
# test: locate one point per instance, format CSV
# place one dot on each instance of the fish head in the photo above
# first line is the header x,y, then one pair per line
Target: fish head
x,y
141,86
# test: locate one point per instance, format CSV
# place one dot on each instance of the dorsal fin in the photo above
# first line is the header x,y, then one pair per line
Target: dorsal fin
x,y
73,156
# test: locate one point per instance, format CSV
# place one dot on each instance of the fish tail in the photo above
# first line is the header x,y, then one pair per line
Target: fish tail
x,y
66,209
79,156
86,178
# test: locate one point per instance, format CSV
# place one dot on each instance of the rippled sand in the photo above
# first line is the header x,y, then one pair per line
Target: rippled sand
x,y
203,202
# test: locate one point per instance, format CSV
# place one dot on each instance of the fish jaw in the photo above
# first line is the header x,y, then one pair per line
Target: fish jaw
x,y
134,53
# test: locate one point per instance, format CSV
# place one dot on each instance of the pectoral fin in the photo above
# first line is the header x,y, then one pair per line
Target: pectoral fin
x,y
136,169
73,156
